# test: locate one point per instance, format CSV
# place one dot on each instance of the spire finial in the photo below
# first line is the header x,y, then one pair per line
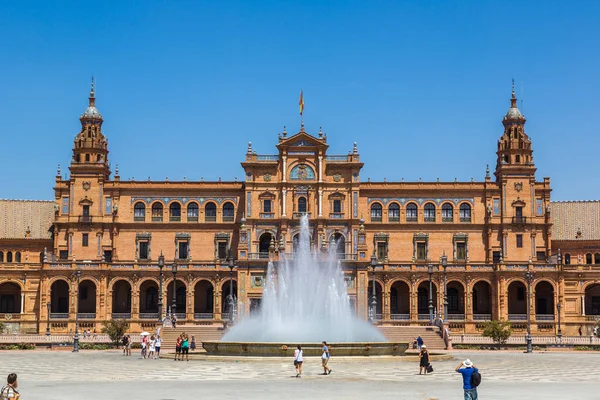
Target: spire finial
x,y
513,98
487,170
92,93
58,170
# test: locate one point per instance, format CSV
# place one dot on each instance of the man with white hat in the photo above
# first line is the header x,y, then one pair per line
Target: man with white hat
x,y
467,369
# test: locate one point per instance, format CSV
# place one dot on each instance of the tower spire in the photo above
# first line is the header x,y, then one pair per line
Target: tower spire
x,y
92,97
513,99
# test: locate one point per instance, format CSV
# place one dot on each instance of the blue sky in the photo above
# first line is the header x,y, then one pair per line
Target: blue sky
x,y
184,86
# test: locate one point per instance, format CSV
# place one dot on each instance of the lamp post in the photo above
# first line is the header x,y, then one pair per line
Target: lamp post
x,y
445,265
231,299
161,265
76,338
430,271
373,316
528,340
48,321
559,332
174,305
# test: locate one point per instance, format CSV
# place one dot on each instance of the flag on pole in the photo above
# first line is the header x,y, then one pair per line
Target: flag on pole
x,y
301,103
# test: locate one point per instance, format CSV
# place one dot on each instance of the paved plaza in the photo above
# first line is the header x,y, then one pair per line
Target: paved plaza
x,y
101,375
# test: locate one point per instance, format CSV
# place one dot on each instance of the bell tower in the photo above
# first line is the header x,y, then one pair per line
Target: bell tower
x,y
90,149
515,156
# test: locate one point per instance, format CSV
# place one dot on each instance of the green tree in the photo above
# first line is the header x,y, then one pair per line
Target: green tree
x,y
115,329
499,331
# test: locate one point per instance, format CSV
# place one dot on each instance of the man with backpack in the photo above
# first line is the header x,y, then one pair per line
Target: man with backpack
x,y
471,378
9,391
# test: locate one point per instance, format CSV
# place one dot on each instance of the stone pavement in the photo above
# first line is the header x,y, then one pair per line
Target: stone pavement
x,y
100,375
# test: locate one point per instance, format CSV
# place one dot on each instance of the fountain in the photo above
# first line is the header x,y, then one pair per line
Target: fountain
x,y
304,302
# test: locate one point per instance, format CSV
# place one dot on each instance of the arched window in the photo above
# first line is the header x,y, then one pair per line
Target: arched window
x,y
192,212
18,256
1,256
8,257
394,212
228,212
210,212
597,258
411,212
429,212
376,212
139,212
302,205
465,213
175,212
447,213
567,259
588,258
157,212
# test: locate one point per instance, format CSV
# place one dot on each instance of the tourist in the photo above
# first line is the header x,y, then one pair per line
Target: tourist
x,y
185,348
595,331
152,347
325,359
298,361
467,369
193,343
144,346
174,320
419,342
9,391
178,347
158,343
580,330
124,341
129,345
423,360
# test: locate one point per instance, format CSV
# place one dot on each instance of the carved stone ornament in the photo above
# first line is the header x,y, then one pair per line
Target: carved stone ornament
x,y
337,177
518,186
135,278
267,177
87,185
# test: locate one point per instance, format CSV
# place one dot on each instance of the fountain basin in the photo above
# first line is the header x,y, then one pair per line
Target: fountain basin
x,y
284,349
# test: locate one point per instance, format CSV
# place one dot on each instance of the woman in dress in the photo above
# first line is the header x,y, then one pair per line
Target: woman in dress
x,y
298,361
152,346
423,360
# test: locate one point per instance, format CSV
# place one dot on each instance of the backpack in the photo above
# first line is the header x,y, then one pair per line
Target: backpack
x,y
475,379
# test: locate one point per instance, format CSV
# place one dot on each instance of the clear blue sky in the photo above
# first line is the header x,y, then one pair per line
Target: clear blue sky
x,y
421,86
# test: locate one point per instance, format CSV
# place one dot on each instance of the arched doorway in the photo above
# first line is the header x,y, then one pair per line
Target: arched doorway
x,y
482,301
180,298
400,301
203,300
517,301
423,300
226,301
544,301
456,300
337,244
86,303
149,300
121,300
296,243
10,298
592,300
59,298
379,308
263,244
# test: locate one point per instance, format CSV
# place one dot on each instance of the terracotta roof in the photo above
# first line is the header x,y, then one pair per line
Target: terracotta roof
x,y
569,217
16,216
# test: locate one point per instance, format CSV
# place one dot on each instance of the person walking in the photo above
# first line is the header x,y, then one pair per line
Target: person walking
x,y
144,346
193,343
325,359
423,360
298,361
174,320
185,348
178,347
158,343
419,343
467,369
580,331
9,391
124,341
129,345
152,347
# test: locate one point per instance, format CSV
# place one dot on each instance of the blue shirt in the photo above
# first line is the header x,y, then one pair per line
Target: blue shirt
x,y
466,374
326,351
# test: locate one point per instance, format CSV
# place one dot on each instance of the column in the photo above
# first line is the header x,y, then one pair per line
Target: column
x,y
284,169
469,303
22,302
413,303
320,203
386,305
216,303
320,169
284,200
190,303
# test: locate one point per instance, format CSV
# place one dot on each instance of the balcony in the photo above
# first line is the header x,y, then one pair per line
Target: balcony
x,y
517,317
139,218
121,315
180,316
447,219
298,215
203,315
375,218
267,157
401,317
423,317
192,218
337,159
85,218
465,219
336,215
456,317
210,218
59,315
346,256
228,218
175,218
149,315
393,218
267,215
482,317
157,218
519,220
429,218
257,256
544,317
411,218
86,315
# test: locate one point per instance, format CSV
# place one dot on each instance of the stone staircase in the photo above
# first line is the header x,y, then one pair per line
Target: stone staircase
x,y
431,335
200,332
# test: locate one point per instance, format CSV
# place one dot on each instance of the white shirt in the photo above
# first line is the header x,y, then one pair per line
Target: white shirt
x,y
298,355
158,342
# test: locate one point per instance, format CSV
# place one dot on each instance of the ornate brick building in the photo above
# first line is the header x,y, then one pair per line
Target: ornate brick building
x,y
107,234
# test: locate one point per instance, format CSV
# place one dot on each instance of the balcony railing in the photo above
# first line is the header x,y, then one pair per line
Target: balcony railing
x,y
192,218
149,315
180,316
175,218
411,218
517,317
482,317
267,157
423,317
85,218
267,215
139,218
59,315
121,316
346,256
299,215
337,215
375,218
394,218
157,218
228,218
447,219
544,317
456,317
519,220
429,218
210,218
334,158
256,256
86,315
465,219
403,317
203,315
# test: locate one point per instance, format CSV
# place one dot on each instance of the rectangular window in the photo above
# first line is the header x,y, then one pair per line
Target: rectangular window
x,y
519,241
183,250
144,253
108,256
222,250
107,205
84,239
421,251
337,206
65,205
539,207
518,159
461,251
496,206
63,254
267,206
381,251
86,211
540,256
518,212
496,257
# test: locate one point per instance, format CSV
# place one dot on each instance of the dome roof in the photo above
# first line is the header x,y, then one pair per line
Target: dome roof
x,y
91,112
514,113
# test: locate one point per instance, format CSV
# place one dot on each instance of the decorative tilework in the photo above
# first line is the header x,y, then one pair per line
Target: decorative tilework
x,y
65,205
355,204
420,201
539,207
184,200
302,172
108,205
355,240
496,206
249,204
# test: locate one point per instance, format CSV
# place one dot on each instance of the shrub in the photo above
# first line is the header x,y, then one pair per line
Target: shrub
x,y
115,329
499,331
94,346
582,348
